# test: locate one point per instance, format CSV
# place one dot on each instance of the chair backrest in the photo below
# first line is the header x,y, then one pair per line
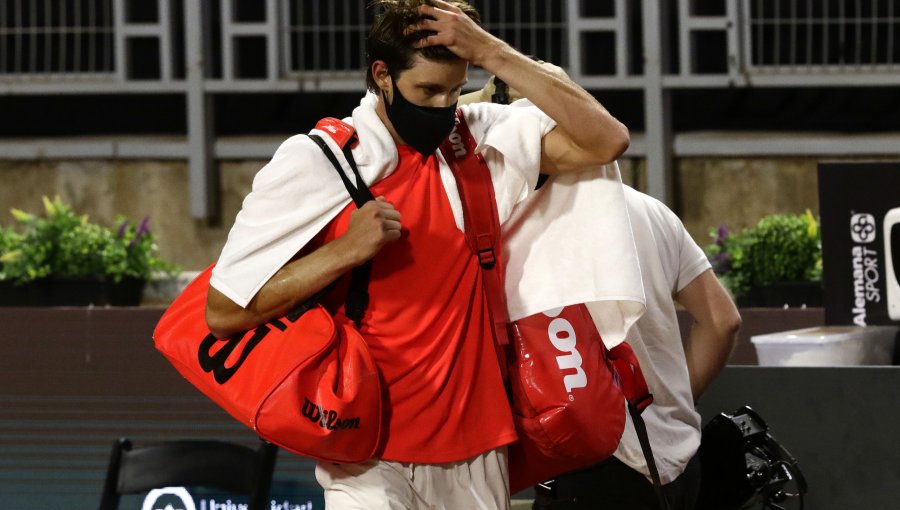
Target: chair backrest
x,y
213,464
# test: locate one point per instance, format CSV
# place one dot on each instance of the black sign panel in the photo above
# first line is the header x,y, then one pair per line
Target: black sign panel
x,y
860,210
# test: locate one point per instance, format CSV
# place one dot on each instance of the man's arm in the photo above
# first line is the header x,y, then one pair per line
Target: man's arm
x,y
713,335
586,134
371,227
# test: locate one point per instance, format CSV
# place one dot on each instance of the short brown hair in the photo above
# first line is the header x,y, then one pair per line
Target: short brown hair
x,y
387,42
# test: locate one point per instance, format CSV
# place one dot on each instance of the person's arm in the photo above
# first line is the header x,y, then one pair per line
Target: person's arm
x,y
371,227
586,134
713,335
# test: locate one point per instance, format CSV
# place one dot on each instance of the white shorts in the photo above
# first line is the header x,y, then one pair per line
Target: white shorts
x,y
478,483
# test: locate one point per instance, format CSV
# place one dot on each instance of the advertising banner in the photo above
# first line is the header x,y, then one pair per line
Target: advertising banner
x,y
859,203
181,498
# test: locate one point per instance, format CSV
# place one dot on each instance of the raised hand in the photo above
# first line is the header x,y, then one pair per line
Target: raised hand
x,y
456,31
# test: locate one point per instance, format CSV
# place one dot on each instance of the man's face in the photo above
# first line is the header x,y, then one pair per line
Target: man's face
x,y
431,82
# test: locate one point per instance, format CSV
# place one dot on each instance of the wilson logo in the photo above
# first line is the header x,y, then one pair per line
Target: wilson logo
x,y
456,141
327,419
562,336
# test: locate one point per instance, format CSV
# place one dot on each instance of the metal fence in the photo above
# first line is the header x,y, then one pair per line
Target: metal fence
x,y
40,38
124,44
202,47
299,42
836,35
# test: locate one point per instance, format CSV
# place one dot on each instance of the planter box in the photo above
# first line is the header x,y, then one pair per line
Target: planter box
x,y
25,295
72,292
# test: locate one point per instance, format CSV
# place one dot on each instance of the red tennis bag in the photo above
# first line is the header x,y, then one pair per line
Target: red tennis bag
x,y
305,382
568,392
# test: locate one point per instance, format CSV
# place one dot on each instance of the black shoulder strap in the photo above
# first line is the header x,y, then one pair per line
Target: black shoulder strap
x,y
641,428
358,295
360,192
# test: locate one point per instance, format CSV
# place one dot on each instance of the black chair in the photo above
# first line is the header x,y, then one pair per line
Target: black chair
x,y
213,464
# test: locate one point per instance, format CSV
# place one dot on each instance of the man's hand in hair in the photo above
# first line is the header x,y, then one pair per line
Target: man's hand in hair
x,y
457,32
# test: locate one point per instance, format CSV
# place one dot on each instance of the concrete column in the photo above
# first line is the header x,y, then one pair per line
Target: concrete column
x,y
204,189
657,109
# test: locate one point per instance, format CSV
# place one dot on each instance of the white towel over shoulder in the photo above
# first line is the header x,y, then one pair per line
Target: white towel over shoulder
x,y
571,242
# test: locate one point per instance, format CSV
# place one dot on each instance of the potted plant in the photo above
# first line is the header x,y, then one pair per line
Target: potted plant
x,y
777,262
61,258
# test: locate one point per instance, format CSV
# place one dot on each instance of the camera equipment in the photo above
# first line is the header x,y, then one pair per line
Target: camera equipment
x,y
744,466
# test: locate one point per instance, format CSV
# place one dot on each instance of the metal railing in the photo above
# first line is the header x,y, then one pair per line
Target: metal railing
x,y
44,37
319,45
248,44
790,35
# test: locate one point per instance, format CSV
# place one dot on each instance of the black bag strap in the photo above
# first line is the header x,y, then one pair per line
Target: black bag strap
x,y
641,428
359,192
358,295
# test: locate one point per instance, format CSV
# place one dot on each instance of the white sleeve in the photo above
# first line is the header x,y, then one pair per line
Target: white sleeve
x,y
509,139
691,259
681,258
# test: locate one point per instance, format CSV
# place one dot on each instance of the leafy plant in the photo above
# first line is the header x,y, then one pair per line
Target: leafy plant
x,y
781,247
132,252
66,245
9,242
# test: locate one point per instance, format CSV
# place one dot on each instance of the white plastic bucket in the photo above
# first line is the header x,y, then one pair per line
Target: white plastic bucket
x,y
827,346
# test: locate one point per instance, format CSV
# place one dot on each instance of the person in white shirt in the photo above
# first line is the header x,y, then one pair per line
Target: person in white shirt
x,y
674,269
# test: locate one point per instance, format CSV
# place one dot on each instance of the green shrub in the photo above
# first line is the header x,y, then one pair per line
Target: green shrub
x,y
63,244
9,243
132,252
781,247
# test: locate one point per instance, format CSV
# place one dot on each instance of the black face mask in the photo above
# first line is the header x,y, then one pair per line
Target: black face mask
x,y
423,127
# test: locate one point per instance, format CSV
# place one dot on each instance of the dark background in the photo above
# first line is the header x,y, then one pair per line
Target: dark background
x,y
853,110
